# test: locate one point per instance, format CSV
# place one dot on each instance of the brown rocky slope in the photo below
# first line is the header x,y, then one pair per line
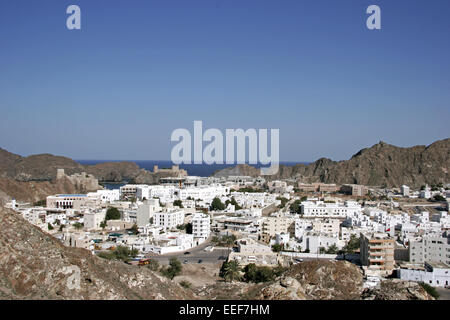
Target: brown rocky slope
x,y
34,265
42,167
381,164
317,280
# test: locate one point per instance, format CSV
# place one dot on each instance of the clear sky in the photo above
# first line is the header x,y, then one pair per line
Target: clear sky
x,y
137,70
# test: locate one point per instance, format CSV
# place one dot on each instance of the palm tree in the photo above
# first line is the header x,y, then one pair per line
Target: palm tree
x,y
230,271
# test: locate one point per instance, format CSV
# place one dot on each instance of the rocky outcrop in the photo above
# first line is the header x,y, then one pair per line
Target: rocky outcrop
x,y
114,171
318,280
239,170
396,289
43,167
34,265
382,164
33,191
82,181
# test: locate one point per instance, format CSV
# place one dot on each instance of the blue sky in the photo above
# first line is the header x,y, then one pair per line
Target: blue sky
x,y
137,70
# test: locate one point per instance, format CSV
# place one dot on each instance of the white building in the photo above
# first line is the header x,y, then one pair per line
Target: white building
x,y
130,190
426,193
201,225
405,190
205,193
430,249
329,226
302,226
282,238
170,242
169,219
106,196
254,199
434,273
146,211
92,220
329,210
314,241
34,216
68,201
166,193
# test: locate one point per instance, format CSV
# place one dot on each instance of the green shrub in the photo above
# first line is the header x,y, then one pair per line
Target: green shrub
x,y
153,265
431,290
178,203
217,205
120,253
173,269
257,274
112,214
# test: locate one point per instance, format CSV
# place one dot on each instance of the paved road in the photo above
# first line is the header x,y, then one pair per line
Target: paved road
x,y
195,254
444,293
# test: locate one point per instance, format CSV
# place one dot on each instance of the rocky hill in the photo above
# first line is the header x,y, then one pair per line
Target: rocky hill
x,y
32,191
42,167
317,280
381,164
33,178
34,265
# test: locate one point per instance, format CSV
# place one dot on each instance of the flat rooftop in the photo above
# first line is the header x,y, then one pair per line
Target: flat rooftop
x,y
70,195
439,265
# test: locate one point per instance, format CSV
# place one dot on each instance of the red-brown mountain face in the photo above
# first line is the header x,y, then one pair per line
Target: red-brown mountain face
x,y
381,164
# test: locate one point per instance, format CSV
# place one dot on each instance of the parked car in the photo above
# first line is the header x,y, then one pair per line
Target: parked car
x,y
200,261
187,252
185,261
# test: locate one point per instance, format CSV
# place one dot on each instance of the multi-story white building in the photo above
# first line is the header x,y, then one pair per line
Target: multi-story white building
x,y
273,225
130,190
166,193
169,219
106,195
146,211
430,249
92,220
329,226
201,225
205,193
254,199
329,210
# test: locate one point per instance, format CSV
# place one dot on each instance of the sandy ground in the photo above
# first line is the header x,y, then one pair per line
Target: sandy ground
x,y
200,275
